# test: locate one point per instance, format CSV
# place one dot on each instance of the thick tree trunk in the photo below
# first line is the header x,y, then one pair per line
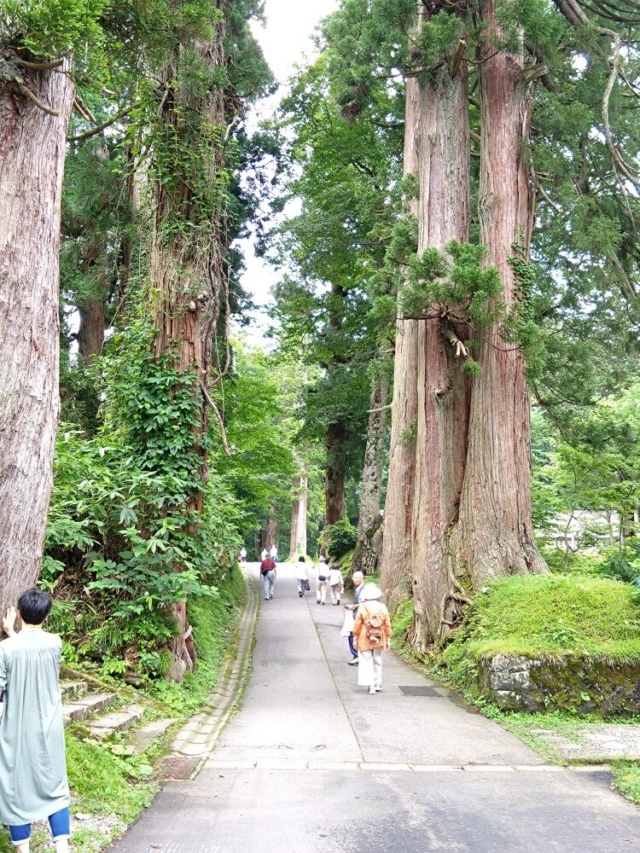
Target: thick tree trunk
x,y
335,503
298,540
186,270
395,564
32,154
295,510
91,332
369,541
443,390
303,502
272,529
494,535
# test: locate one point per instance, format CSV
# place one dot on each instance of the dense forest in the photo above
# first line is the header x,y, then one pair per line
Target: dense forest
x,y
448,393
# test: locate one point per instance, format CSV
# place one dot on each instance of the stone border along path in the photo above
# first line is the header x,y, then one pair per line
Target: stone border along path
x,y
196,739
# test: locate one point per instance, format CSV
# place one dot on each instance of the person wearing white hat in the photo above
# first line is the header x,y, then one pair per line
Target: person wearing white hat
x,y
372,631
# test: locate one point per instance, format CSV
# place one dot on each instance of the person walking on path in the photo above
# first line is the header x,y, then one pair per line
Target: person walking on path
x,y
243,555
268,572
273,553
33,771
322,578
264,554
336,583
372,631
302,574
358,584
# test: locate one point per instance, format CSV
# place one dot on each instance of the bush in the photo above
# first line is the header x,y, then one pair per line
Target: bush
x,y
340,538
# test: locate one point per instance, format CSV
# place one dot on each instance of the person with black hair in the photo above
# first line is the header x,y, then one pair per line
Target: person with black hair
x,y
33,770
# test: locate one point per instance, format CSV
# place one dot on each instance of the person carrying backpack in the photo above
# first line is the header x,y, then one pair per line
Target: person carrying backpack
x,y
268,572
372,631
322,578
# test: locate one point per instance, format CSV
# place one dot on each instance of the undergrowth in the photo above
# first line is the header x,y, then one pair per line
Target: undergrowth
x,y
213,622
109,784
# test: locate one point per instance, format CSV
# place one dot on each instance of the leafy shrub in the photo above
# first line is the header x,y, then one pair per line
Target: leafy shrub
x,y
340,538
620,565
132,527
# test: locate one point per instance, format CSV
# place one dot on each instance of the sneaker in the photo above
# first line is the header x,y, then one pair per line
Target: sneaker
x,y
324,602
353,662
317,602
378,688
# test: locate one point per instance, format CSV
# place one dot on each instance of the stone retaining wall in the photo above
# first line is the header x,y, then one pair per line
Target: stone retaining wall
x,y
576,683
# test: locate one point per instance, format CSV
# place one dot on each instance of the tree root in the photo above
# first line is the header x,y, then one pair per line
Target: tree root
x,y
453,599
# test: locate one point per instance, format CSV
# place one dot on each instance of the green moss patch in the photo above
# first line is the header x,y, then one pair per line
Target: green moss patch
x,y
552,616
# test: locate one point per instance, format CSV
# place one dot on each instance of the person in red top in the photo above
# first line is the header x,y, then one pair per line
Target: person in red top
x,y
268,572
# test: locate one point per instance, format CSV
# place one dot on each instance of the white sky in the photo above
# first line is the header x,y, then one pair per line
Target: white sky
x,y
285,40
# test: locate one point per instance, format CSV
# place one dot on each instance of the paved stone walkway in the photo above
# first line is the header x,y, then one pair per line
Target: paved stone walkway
x,y
313,763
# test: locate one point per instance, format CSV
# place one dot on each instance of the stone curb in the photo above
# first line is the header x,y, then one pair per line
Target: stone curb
x,y
196,739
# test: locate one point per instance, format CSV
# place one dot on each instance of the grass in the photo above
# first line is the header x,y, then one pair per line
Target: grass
x,y
626,779
552,615
102,786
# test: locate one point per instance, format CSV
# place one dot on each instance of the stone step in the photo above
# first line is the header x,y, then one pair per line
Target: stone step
x,y
73,688
142,738
80,709
116,721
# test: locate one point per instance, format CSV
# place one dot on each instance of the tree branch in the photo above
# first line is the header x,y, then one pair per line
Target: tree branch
x,y
457,57
94,131
40,66
216,410
31,97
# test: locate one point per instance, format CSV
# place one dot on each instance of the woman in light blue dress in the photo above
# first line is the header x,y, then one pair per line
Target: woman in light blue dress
x,y
33,771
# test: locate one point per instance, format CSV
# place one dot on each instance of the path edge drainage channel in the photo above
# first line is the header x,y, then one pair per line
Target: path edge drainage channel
x,y
197,738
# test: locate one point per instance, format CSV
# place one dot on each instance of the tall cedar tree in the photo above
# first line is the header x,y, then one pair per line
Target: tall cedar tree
x,y
36,99
461,435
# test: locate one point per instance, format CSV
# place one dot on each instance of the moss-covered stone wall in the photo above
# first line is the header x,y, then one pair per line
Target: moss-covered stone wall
x,y
573,682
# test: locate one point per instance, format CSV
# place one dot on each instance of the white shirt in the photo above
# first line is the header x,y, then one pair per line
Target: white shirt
x,y
335,577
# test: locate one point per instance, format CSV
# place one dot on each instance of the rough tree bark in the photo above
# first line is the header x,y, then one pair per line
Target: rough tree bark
x,y
470,502
494,533
395,565
443,390
336,435
32,153
91,331
334,496
369,541
186,274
